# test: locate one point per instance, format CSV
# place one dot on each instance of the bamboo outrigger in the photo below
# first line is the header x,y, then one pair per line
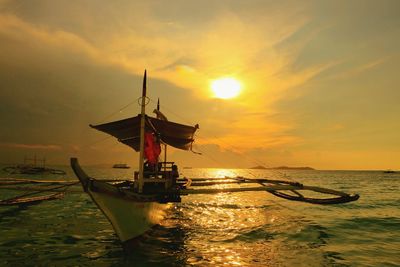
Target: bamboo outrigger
x,y
34,190
131,206
24,201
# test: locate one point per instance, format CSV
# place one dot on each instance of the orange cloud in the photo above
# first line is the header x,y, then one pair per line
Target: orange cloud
x,y
31,146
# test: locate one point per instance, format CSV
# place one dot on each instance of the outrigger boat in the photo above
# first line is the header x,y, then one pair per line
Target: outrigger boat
x,y
32,166
121,166
133,206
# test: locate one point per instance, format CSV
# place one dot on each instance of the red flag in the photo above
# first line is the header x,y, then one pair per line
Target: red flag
x,y
152,148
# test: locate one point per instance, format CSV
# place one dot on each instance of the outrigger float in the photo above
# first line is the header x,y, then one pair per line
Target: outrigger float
x,y
26,201
132,206
35,190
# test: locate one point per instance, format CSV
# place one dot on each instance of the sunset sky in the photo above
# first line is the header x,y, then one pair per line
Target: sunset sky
x,y
319,79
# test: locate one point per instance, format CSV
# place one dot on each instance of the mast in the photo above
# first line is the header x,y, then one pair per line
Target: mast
x,y
165,145
142,123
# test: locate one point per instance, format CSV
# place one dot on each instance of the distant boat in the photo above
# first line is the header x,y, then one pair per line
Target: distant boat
x,y
133,206
121,166
389,171
32,166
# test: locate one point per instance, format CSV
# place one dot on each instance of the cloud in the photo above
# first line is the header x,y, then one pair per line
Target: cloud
x,y
31,146
228,44
354,71
65,65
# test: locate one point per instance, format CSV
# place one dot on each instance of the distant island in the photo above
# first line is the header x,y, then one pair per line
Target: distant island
x,y
259,167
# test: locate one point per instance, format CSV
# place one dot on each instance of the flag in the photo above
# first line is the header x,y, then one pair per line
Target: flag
x,y
152,148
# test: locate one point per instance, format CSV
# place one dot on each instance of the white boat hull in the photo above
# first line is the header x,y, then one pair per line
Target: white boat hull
x,y
129,214
129,218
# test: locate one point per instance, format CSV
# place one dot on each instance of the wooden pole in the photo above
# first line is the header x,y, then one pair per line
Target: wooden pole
x,y
165,158
142,128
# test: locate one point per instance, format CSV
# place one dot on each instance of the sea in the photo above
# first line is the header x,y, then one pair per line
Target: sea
x,y
226,229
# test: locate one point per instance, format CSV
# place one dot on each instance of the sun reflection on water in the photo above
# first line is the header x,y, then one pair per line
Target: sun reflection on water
x,y
221,224
222,173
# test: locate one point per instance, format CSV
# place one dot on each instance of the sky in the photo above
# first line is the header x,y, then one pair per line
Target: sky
x,y
320,79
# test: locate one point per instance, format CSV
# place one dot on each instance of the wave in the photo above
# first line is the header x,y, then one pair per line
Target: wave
x,y
223,206
382,224
251,235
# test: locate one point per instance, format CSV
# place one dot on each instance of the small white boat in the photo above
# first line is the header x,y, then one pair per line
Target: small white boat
x,y
389,171
121,166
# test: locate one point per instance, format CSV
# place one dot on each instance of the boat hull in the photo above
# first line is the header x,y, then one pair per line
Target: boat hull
x,y
130,214
129,218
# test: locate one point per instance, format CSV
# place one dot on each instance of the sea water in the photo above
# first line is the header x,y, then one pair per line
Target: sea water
x,y
229,229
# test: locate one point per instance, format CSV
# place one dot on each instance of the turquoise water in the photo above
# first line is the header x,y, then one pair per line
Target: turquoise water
x,y
240,229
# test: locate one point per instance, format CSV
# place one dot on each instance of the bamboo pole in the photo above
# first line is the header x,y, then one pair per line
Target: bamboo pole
x,y
262,188
142,128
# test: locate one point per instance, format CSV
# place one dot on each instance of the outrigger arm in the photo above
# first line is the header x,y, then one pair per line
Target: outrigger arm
x,y
283,189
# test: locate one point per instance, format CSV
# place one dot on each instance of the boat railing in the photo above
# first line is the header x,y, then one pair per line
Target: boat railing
x,y
164,176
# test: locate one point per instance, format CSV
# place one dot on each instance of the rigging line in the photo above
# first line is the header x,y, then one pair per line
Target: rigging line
x,y
173,113
117,111
256,161
244,170
216,161
281,174
208,156
111,145
97,141
197,135
220,163
234,149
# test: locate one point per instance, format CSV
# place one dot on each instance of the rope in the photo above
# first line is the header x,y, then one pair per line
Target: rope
x,y
256,161
117,111
111,115
235,150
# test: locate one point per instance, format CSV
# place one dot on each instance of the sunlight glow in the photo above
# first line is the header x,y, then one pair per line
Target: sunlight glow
x,y
226,88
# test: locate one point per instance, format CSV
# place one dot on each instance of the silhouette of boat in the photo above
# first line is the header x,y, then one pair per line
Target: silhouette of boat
x,y
121,166
32,166
133,206
389,171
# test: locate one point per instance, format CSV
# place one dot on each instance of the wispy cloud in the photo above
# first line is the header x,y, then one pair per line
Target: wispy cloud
x,y
361,68
277,50
31,146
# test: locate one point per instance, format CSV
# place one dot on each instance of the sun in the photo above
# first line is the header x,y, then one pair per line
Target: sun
x,y
226,88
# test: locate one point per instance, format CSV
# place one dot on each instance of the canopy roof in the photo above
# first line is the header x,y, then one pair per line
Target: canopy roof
x,y
127,131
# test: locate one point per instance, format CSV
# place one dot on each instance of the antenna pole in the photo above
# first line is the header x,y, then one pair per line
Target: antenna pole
x,y
142,128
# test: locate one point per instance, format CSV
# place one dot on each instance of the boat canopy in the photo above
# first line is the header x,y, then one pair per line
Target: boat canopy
x,y
127,131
